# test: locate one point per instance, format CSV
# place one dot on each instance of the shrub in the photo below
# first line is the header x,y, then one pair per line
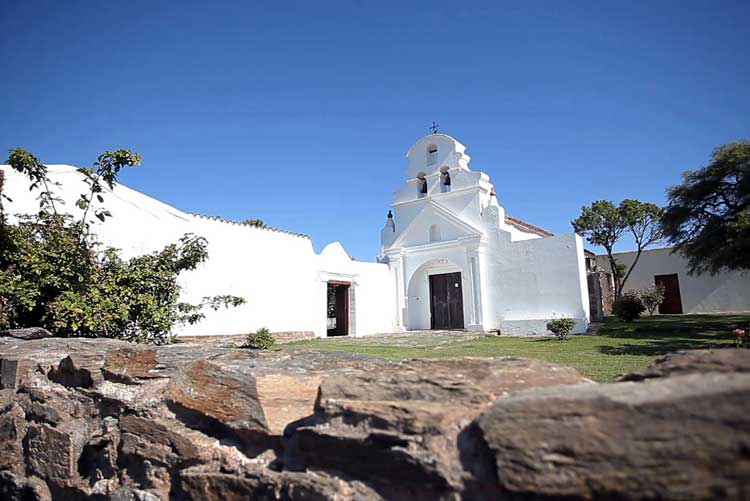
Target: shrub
x,y
53,274
261,340
628,307
742,338
561,327
652,297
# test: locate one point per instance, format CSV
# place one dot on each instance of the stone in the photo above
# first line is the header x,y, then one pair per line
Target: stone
x,y
12,432
14,486
128,365
73,374
221,403
157,440
679,437
398,428
728,360
53,452
26,334
263,484
8,374
104,419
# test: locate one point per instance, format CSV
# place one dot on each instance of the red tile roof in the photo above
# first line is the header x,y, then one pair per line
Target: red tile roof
x,y
524,226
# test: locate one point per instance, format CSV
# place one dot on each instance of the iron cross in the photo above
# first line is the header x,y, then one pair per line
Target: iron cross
x,y
434,127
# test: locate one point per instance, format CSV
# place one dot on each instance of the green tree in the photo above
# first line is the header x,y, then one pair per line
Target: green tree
x,y
52,276
707,218
258,223
603,224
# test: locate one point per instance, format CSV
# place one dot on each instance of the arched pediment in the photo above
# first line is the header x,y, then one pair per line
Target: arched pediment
x,y
436,151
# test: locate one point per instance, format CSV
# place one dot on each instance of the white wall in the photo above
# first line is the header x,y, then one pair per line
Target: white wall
x,y
530,281
278,273
725,292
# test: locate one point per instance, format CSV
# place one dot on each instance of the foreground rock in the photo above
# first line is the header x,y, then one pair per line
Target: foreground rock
x,y
399,429
104,419
683,437
694,362
27,334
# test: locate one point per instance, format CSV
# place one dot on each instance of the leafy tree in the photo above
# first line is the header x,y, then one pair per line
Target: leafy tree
x,y
52,276
603,224
707,218
258,223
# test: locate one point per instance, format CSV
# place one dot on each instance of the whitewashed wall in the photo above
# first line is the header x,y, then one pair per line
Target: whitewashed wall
x,y
277,272
725,292
531,281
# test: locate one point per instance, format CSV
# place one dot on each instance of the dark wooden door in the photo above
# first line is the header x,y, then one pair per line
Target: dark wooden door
x,y
672,300
446,301
342,310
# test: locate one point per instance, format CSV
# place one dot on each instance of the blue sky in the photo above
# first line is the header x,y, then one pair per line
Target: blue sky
x,y
300,113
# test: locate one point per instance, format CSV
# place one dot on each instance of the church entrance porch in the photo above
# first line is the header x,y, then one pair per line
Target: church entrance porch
x,y
446,301
338,308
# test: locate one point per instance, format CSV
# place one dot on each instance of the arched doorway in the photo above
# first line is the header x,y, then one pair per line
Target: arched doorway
x,y
435,297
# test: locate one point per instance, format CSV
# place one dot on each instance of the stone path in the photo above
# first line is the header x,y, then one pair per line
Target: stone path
x,y
412,339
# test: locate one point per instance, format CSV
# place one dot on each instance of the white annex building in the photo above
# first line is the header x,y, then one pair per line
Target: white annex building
x,y
451,258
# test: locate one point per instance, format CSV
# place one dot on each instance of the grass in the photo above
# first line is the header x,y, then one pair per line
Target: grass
x,y
617,348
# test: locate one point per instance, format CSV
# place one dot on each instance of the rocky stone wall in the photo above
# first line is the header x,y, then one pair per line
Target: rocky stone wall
x,y
105,419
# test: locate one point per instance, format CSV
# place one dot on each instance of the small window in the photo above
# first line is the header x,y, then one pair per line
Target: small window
x,y
421,185
434,233
431,154
445,180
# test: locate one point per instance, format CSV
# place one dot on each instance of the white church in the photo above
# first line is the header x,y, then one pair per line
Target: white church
x,y
450,258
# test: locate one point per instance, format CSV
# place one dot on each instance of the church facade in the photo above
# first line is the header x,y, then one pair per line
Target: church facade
x,y
451,258
460,262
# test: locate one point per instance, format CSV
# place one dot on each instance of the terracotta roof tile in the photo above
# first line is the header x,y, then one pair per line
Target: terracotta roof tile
x,y
523,225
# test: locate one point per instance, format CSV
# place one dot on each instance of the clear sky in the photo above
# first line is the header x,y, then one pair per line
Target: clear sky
x,y
301,113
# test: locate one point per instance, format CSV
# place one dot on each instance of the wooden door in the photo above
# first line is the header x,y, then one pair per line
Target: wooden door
x,y
672,300
446,301
342,310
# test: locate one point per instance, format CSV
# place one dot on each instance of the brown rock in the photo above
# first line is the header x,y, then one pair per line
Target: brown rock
x,y
14,487
286,398
397,429
27,334
157,441
128,365
12,432
727,360
675,438
221,402
74,373
262,484
53,452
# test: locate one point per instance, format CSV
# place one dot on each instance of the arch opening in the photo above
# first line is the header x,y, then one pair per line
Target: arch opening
x,y
421,185
445,180
432,151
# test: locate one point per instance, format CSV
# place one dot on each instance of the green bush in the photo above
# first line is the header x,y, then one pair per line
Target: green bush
x,y
261,340
652,297
628,307
561,327
52,274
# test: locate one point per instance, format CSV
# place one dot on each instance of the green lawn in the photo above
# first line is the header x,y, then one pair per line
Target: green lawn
x,y
618,347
